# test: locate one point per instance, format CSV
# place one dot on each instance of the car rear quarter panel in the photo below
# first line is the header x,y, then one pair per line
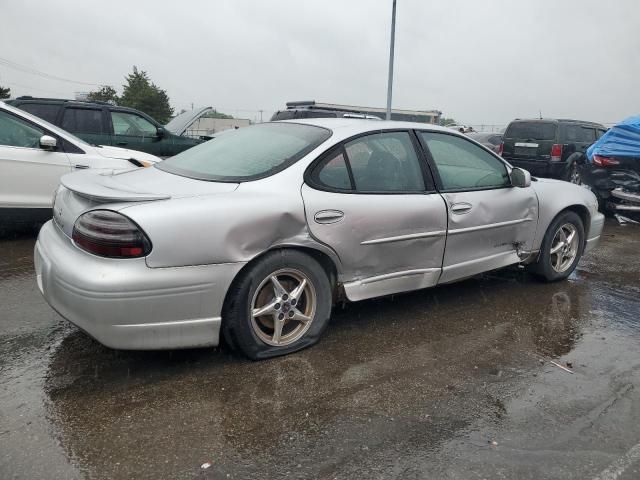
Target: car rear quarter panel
x,y
226,228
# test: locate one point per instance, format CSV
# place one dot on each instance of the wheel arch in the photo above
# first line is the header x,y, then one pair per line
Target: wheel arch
x,y
582,212
329,265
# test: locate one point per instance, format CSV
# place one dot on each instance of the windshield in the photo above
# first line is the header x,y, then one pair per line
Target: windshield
x,y
532,131
247,153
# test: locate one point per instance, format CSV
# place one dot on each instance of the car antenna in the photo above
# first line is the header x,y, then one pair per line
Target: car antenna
x,y
540,112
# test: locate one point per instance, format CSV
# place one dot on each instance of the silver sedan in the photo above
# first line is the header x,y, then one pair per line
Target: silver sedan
x,y
255,234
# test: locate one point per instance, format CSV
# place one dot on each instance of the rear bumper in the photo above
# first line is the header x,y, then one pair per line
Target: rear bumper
x,y
594,232
126,305
540,168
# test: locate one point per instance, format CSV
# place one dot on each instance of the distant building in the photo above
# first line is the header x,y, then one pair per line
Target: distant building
x,y
206,126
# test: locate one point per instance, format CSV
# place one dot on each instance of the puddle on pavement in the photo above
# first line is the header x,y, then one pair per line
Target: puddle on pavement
x,y
406,373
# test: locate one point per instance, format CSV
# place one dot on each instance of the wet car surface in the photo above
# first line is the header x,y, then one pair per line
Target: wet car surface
x,y
451,382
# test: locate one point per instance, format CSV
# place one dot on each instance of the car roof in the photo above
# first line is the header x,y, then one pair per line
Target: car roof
x,y
555,120
353,126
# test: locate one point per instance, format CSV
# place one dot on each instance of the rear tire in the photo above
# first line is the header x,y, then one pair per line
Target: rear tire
x,y
561,248
279,305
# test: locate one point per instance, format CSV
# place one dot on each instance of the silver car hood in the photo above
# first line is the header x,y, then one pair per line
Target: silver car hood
x,y
180,123
139,185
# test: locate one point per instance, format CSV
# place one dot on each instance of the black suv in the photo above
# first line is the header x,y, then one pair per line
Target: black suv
x,y
101,123
549,147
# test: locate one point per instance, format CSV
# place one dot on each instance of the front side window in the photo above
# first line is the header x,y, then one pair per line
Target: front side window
x,y
247,153
125,123
385,162
15,132
82,120
463,165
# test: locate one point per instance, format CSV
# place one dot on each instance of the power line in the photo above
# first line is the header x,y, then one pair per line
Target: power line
x,y
34,88
33,71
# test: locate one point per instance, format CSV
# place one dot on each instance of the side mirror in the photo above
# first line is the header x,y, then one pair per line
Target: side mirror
x,y
520,178
160,132
48,142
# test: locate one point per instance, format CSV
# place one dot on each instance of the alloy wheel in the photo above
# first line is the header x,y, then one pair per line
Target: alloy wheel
x,y
564,247
283,307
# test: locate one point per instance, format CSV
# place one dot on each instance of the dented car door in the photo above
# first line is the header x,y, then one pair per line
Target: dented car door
x,y
490,223
372,201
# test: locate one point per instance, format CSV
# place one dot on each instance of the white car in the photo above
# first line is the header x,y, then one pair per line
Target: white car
x,y
34,155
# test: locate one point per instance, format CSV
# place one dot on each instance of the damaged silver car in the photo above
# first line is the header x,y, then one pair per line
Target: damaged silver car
x,y
254,234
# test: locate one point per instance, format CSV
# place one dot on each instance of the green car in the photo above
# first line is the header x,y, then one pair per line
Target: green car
x,y
101,123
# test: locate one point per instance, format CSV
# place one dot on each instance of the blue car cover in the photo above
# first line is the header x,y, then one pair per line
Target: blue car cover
x,y
622,140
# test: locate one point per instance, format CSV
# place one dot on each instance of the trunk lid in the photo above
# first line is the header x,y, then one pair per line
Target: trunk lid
x,y
86,190
530,140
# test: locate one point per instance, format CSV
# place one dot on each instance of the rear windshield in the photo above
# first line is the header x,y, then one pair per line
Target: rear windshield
x,y
247,153
532,131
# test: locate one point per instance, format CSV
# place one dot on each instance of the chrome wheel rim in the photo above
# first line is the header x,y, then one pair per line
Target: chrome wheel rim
x,y
564,247
283,307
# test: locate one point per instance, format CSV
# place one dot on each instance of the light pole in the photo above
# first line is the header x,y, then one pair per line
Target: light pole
x,y
391,48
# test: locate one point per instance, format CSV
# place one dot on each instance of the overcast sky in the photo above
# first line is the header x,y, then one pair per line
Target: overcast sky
x,y
481,61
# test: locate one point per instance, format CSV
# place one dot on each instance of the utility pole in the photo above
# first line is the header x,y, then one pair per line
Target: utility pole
x,y
391,48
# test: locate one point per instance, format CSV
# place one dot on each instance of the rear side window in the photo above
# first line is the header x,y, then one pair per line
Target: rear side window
x,y
385,162
532,131
578,133
82,120
45,111
377,163
333,172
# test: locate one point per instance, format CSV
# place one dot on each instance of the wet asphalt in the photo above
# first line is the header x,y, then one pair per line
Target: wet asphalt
x,y
453,382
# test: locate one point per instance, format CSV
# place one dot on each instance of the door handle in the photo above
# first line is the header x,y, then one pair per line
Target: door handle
x,y
460,208
81,167
328,216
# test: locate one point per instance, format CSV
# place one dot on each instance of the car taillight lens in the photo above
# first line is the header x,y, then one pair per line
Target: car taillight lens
x,y
605,161
501,148
110,234
556,152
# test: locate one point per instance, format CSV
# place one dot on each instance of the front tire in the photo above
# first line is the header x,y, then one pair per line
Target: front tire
x,y
561,248
279,305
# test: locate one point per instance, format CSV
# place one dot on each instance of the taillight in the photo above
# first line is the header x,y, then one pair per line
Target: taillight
x,y
110,234
501,148
605,161
556,152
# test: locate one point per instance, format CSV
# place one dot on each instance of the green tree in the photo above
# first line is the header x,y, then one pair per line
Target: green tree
x,y
141,93
217,114
5,92
447,121
105,94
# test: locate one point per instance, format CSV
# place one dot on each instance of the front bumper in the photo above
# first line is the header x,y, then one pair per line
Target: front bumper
x,y
124,304
594,232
